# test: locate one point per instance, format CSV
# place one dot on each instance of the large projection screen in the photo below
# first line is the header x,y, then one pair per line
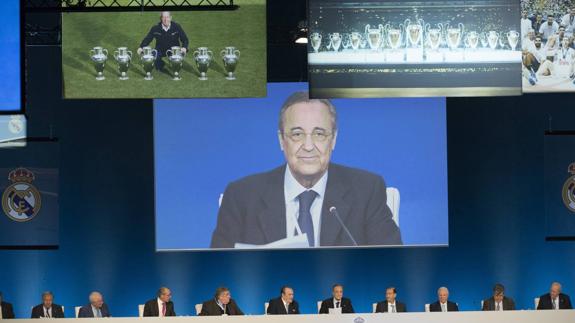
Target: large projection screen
x,y
387,176
11,99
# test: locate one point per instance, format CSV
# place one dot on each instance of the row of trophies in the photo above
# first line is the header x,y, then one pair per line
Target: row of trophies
x,y
202,56
415,34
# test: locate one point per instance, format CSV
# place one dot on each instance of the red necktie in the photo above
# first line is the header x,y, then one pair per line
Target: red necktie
x,y
164,309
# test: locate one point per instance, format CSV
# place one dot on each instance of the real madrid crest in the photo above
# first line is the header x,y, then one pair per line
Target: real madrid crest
x,y
568,192
21,201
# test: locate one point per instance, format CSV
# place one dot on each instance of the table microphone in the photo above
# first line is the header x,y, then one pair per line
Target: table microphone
x,y
333,211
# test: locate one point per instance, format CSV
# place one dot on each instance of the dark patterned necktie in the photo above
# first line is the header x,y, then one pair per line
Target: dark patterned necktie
x,y
304,220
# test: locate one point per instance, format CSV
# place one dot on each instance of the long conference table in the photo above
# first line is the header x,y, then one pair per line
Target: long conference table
x,y
548,316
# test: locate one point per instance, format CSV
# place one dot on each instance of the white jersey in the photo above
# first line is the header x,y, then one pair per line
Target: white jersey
x,y
569,22
563,61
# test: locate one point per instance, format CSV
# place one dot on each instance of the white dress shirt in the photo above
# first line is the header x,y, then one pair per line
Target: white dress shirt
x,y
547,31
499,306
443,306
292,188
160,305
166,28
335,301
47,311
96,311
0,311
286,305
555,303
391,307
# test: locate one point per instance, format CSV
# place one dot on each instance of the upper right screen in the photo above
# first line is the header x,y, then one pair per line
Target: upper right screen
x,y
414,48
548,52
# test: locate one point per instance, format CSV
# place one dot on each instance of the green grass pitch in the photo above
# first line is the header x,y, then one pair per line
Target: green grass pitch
x,y
244,28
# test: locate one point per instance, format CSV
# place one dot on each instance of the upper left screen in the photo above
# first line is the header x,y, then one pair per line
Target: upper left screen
x,y
179,54
11,55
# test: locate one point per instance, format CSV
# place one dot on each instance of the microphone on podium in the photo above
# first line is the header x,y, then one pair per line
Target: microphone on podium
x,y
333,211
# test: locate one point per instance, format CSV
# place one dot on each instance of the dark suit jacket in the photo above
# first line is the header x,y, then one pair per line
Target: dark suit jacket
x,y
151,308
86,311
345,305
7,310
436,307
546,304
276,306
382,307
253,210
38,311
211,308
489,304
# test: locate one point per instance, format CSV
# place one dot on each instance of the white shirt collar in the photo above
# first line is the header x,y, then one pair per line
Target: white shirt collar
x,y
166,28
292,188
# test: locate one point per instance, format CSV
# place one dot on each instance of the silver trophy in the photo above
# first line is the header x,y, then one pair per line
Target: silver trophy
x,y
355,40
99,56
374,36
513,39
434,36
176,59
394,37
147,58
203,57
335,41
123,56
472,40
483,40
315,40
492,38
453,36
230,56
414,32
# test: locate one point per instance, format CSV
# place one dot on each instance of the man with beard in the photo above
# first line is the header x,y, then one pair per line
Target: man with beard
x,y
549,28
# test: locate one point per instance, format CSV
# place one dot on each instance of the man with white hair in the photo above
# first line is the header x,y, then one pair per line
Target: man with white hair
x,y
554,300
442,304
568,21
167,34
96,308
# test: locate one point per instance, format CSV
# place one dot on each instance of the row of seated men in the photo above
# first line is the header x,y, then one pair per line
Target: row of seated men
x,y
223,304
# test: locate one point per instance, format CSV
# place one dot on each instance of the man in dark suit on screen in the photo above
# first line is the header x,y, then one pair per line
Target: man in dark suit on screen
x,y
554,300
285,304
47,309
306,196
162,305
443,304
221,304
97,308
390,305
336,301
498,302
6,309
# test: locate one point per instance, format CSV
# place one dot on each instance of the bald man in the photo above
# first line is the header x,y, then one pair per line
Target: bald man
x,y
96,308
554,300
160,306
442,304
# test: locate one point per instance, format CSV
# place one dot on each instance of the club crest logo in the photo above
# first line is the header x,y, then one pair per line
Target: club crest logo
x,y
568,192
21,201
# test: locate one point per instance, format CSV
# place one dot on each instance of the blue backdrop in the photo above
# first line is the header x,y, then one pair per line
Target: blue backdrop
x,y
10,55
202,145
497,227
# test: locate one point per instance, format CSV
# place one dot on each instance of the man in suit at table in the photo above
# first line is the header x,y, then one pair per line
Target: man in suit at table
x,y
6,309
390,305
160,306
336,301
308,195
96,308
498,302
221,304
47,309
285,304
443,304
554,300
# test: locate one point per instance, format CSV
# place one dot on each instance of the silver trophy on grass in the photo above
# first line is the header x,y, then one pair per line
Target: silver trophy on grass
x,y
203,57
355,40
453,36
315,40
513,39
148,57
374,36
472,40
230,56
123,56
99,56
176,59
395,37
414,32
492,38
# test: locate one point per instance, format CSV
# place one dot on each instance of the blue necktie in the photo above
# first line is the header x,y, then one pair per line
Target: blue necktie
x,y
304,220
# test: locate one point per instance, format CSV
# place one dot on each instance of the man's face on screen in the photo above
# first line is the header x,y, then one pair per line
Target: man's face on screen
x,y
166,18
337,292
224,297
307,140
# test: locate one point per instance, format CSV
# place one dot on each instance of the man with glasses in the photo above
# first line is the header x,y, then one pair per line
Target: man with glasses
x,y
310,195
97,308
555,299
498,302
221,304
